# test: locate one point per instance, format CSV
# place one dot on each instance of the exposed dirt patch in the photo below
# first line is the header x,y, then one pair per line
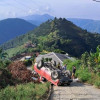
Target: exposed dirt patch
x,y
20,72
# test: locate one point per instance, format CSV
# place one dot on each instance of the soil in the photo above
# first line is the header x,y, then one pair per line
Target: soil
x,y
20,72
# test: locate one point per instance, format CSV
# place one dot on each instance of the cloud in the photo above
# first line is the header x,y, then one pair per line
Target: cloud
x,y
33,11
47,8
59,8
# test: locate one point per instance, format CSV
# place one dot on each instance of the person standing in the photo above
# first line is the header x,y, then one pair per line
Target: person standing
x,y
59,66
65,67
73,72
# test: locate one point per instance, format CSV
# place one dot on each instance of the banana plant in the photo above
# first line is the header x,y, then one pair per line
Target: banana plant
x,y
97,55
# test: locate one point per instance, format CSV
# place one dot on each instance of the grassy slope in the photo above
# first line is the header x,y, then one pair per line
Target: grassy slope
x,y
13,51
29,91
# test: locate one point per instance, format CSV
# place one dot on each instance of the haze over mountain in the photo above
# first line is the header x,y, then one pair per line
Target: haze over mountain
x,y
37,19
58,35
88,24
12,27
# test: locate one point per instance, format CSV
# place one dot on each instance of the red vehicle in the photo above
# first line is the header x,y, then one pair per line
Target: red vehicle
x,y
52,74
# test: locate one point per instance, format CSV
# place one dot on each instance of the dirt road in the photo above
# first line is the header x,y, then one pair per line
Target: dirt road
x,y
76,91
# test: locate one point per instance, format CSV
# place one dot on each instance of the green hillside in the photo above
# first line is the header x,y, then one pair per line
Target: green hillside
x,y
58,35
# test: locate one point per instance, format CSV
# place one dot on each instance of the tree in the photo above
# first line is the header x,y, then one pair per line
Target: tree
x,y
3,61
97,54
3,55
91,61
84,59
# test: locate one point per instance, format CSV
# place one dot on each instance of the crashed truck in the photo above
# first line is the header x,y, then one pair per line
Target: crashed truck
x,y
49,71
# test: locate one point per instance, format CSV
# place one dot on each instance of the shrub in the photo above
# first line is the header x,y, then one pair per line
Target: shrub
x,y
70,64
84,75
92,79
28,62
97,84
29,91
5,78
98,73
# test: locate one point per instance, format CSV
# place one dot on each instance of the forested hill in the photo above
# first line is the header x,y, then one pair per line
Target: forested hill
x,y
88,24
12,27
59,35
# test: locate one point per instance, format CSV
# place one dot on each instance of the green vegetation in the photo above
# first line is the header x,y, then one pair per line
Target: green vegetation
x,y
97,84
6,78
58,35
70,64
12,89
13,51
84,75
88,67
29,91
3,59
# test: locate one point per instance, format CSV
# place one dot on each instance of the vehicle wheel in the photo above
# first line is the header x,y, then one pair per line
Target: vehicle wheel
x,y
68,84
44,79
55,75
40,64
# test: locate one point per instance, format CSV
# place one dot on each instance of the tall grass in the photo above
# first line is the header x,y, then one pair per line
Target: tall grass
x,y
29,91
83,74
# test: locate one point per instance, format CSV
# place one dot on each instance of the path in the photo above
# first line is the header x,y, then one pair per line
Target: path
x,y
76,91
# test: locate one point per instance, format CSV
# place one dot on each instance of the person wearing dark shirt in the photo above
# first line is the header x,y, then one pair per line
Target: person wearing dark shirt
x,y
73,72
59,66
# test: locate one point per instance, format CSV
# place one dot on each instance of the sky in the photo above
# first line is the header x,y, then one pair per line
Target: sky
x,y
86,9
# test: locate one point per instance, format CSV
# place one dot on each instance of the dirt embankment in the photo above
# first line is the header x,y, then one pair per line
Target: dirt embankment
x,y
19,71
16,73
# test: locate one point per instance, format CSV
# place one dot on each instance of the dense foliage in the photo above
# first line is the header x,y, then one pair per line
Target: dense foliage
x,y
28,91
88,68
4,61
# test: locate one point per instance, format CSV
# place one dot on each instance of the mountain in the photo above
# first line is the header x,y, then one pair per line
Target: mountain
x,y
12,27
88,24
38,19
58,35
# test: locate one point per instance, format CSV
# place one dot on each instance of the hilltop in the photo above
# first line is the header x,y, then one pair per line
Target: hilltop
x,y
12,27
59,35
